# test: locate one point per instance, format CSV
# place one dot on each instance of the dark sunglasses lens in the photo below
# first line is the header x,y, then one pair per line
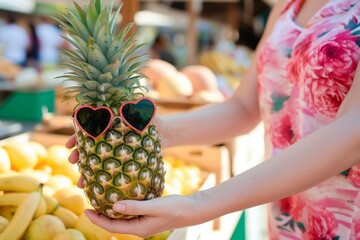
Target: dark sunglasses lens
x,y
138,115
92,121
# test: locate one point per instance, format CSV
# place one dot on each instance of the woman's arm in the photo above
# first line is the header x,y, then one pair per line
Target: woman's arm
x,y
319,156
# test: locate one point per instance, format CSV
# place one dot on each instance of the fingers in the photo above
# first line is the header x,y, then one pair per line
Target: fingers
x,y
151,207
71,141
80,183
74,156
112,225
135,208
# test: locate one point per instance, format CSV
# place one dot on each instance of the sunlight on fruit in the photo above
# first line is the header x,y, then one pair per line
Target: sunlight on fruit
x,y
5,163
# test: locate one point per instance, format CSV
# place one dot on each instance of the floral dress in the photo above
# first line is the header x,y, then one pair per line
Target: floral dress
x,y
303,76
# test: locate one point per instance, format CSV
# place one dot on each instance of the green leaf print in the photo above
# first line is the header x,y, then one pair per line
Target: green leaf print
x,y
346,172
301,226
358,41
336,238
322,34
352,24
356,33
278,102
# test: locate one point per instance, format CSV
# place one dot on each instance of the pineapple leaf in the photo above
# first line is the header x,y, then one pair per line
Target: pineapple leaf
x,y
117,80
100,22
77,43
118,42
133,65
76,79
76,70
108,10
114,18
113,68
93,95
126,50
72,54
91,17
106,77
103,87
95,55
91,85
98,5
104,37
81,12
79,27
90,71
67,27
104,96
133,51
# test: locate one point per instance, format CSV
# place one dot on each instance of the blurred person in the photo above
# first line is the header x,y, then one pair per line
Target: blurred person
x,y
33,50
160,50
14,41
50,40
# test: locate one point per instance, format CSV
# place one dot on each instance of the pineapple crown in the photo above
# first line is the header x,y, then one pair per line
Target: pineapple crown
x,y
105,66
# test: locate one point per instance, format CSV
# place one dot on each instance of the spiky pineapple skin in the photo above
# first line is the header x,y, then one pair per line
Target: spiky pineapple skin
x,y
121,164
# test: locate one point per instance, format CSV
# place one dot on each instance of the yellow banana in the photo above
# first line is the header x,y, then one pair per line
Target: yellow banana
x,y
19,183
51,203
3,223
15,199
68,217
7,211
41,209
12,199
22,217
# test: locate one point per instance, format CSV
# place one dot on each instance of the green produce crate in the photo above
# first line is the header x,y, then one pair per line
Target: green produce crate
x,y
27,105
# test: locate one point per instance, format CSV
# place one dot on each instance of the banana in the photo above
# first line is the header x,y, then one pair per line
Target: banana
x,y
68,217
15,199
7,211
12,199
22,217
3,223
51,204
19,183
41,209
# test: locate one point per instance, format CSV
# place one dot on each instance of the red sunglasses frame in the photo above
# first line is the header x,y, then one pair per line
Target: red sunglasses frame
x,y
112,116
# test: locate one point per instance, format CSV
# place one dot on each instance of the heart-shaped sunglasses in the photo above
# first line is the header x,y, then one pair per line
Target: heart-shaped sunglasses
x,y
95,121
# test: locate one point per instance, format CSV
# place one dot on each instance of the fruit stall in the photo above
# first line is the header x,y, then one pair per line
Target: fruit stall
x,y
36,162
39,196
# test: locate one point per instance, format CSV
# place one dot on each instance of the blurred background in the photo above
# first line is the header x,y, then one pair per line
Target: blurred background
x,y
199,50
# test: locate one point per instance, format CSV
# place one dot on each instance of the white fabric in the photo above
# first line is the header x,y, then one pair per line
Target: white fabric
x,y
50,39
14,42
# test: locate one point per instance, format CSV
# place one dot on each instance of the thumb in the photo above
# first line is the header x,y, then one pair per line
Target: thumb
x,y
133,207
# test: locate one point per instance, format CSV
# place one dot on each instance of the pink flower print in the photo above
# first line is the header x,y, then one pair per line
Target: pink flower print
x,y
329,75
298,60
354,175
341,7
321,224
283,133
266,58
284,125
297,206
293,205
285,205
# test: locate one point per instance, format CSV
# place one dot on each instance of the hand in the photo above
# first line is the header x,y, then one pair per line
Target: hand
x,y
74,156
156,215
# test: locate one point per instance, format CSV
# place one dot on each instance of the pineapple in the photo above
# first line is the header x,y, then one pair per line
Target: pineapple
x,y
116,161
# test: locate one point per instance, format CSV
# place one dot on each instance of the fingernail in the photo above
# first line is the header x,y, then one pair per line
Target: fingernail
x,y
118,207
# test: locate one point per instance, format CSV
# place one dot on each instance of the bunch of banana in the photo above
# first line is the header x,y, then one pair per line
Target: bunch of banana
x,y
24,193
22,201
